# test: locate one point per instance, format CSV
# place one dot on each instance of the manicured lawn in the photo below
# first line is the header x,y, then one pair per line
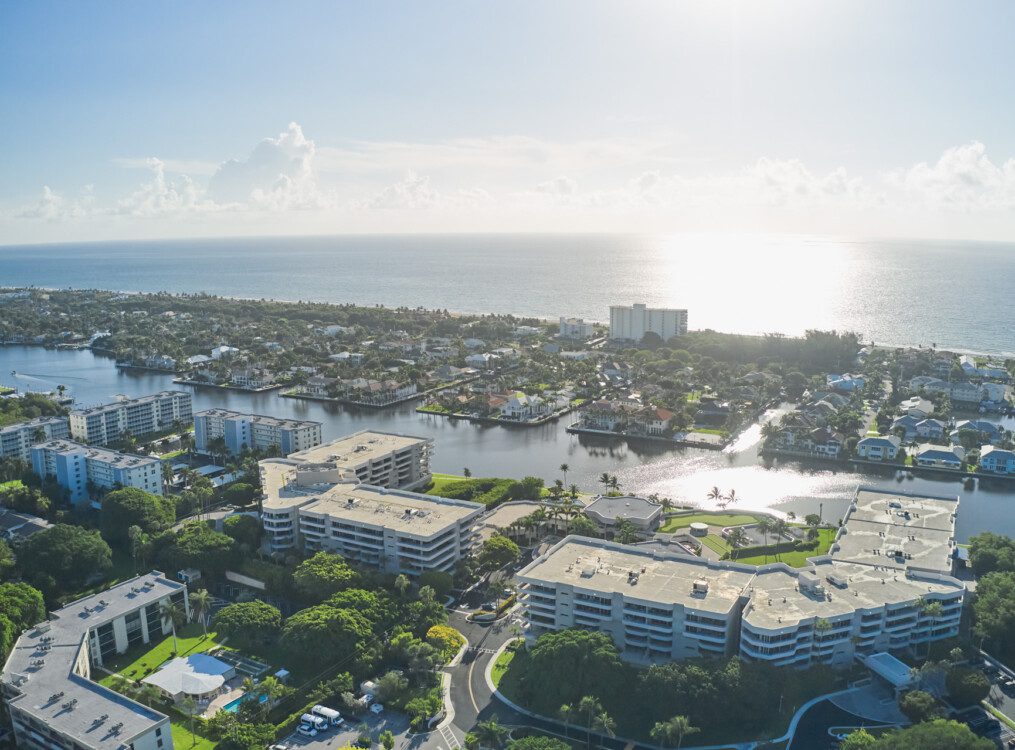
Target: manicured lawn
x,y
138,663
439,481
184,740
172,454
11,485
796,559
708,430
501,665
715,542
713,519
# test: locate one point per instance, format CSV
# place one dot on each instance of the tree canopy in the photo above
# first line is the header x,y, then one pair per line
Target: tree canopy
x,y
21,607
196,545
323,629
497,552
538,742
989,552
247,622
244,529
994,611
939,734
966,686
130,506
63,557
322,575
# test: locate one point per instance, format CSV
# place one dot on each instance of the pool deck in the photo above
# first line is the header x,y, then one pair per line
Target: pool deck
x,y
219,702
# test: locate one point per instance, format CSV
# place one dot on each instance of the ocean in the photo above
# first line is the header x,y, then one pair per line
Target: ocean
x,y
957,295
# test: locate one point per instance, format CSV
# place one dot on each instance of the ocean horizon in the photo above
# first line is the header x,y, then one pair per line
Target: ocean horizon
x,y
954,295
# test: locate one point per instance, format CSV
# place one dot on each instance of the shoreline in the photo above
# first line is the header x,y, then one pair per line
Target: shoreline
x,y
465,314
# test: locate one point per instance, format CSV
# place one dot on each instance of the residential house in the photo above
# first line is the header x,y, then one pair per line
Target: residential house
x,y
931,429
917,407
907,424
939,456
987,431
220,352
254,377
474,343
880,448
997,460
655,420
846,383
319,385
521,406
480,360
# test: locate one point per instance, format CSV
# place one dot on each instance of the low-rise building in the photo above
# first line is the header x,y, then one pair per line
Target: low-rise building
x,y
16,440
47,680
82,468
575,328
142,416
997,460
879,448
15,526
254,432
885,585
607,511
918,407
939,456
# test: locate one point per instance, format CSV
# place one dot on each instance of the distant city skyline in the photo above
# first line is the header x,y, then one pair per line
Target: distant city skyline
x,y
188,119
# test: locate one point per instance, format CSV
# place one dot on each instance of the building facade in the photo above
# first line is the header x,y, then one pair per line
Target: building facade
x,y
81,467
884,586
16,440
254,432
575,328
108,423
47,680
378,459
632,323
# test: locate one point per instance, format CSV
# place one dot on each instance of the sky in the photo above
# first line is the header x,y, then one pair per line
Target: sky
x,y
125,120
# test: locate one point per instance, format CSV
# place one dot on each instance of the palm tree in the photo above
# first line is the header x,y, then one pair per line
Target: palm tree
x,y
573,491
401,584
200,603
765,527
779,527
603,723
715,495
625,532
175,615
189,706
614,483
568,713
491,733
604,479
731,497
588,708
736,539
671,733
564,469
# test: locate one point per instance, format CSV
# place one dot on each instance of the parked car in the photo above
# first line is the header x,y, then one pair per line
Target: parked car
x,y
367,699
377,708
306,730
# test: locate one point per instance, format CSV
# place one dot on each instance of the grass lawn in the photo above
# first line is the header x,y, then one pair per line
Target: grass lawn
x,y
11,485
439,481
184,740
796,559
708,430
501,665
714,519
172,454
715,542
138,663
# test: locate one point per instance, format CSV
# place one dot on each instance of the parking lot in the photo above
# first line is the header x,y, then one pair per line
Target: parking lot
x,y
395,722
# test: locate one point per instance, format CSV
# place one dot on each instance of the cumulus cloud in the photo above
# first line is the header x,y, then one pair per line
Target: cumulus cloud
x,y
161,195
559,187
963,178
278,175
415,192
52,206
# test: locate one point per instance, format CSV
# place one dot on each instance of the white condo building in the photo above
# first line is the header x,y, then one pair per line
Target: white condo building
x,y
104,424
76,467
632,323
47,680
254,432
884,586
575,328
16,440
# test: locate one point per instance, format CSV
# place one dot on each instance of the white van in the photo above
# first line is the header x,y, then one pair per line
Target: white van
x,y
330,715
317,722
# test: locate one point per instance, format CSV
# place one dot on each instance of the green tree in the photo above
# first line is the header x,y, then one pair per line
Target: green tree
x,y
244,529
175,616
243,736
248,623
322,575
919,705
7,562
538,742
671,733
966,686
239,493
21,607
200,603
625,532
491,733
130,506
325,629
989,552
442,583
939,734
859,739
387,739
198,546
497,552
62,558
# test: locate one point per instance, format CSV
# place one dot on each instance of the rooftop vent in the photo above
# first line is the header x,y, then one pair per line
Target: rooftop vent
x,y
700,586
588,570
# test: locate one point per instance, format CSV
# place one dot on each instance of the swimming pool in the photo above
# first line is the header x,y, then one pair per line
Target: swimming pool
x,y
234,705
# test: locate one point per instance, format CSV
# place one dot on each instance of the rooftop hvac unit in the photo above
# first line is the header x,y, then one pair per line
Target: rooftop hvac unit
x,y
700,586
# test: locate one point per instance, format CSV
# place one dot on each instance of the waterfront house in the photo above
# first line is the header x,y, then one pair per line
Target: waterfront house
x,y
879,448
254,377
907,424
997,460
521,406
987,431
939,456
933,429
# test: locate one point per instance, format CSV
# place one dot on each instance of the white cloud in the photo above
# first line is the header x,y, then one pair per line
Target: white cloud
x,y
278,175
161,195
52,206
559,187
176,166
963,179
415,192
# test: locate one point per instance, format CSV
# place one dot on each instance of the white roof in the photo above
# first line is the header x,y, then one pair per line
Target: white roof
x,y
196,674
896,672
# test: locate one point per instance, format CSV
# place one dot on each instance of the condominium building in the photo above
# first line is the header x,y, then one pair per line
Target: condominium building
x,y
575,328
80,468
108,423
16,440
47,680
884,586
254,432
378,459
632,323
322,507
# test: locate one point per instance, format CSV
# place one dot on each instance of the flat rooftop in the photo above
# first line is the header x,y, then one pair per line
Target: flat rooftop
x,y
602,567
397,510
32,424
82,703
358,448
777,599
258,418
899,530
130,401
114,458
614,508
